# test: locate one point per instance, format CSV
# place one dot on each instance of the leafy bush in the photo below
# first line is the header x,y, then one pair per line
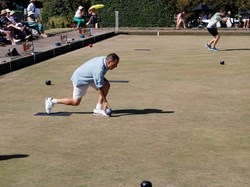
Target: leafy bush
x,y
133,13
138,13
62,11
57,22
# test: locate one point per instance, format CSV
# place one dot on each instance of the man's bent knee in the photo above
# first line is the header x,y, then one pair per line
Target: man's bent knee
x,y
76,102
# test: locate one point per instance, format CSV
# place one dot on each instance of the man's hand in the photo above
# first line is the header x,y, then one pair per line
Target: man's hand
x,y
224,19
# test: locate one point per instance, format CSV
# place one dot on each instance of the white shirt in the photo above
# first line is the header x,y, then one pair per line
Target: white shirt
x,y
78,14
31,7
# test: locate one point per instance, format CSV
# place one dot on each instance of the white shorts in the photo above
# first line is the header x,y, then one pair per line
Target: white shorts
x,y
79,92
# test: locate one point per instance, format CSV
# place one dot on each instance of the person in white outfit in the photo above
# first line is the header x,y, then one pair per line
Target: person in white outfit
x,y
32,8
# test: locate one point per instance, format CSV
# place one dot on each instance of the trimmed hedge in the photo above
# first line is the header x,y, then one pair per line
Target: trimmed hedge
x,y
138,13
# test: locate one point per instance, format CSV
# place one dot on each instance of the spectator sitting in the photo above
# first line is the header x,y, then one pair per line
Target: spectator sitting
x,y
78,18
245,19
8,35
13,19
7,23
180,19
93,21
33,23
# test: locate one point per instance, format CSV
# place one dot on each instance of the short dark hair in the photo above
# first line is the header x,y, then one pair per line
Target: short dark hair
x,y
113,57
223,9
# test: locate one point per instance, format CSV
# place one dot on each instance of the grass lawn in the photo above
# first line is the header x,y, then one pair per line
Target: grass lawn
x,y
180,119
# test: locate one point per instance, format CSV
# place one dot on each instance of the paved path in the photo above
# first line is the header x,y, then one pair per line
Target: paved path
x,y
44,44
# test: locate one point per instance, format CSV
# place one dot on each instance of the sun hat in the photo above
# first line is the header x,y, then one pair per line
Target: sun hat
x,y
30,13
80,8
12,12
7,10
32,0
3,12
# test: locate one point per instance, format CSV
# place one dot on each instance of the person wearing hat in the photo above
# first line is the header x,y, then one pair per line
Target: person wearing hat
x,y
32,22
12,17
93,21
7,33
7,10
78,18
7,24
32,8
246,19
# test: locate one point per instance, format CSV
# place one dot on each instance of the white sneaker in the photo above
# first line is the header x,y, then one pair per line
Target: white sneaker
x,y
44,35
48,105
100,112
16,41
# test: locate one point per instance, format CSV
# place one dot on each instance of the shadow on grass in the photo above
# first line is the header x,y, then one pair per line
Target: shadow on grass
x,y
8,157
244,49
126,112
115,113
53,114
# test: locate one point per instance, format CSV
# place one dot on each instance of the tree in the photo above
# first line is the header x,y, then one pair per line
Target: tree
x,y
133,13
62,8
233,5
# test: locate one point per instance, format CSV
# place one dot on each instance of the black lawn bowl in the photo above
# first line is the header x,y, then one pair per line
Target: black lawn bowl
x,y
146,184
48,82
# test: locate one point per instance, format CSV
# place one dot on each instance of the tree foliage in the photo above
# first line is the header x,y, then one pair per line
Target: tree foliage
x,y
232,5
62,8
132,13
138,13
158,13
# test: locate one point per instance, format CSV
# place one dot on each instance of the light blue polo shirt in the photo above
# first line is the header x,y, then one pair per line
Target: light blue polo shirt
x,y
91,71
213,21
